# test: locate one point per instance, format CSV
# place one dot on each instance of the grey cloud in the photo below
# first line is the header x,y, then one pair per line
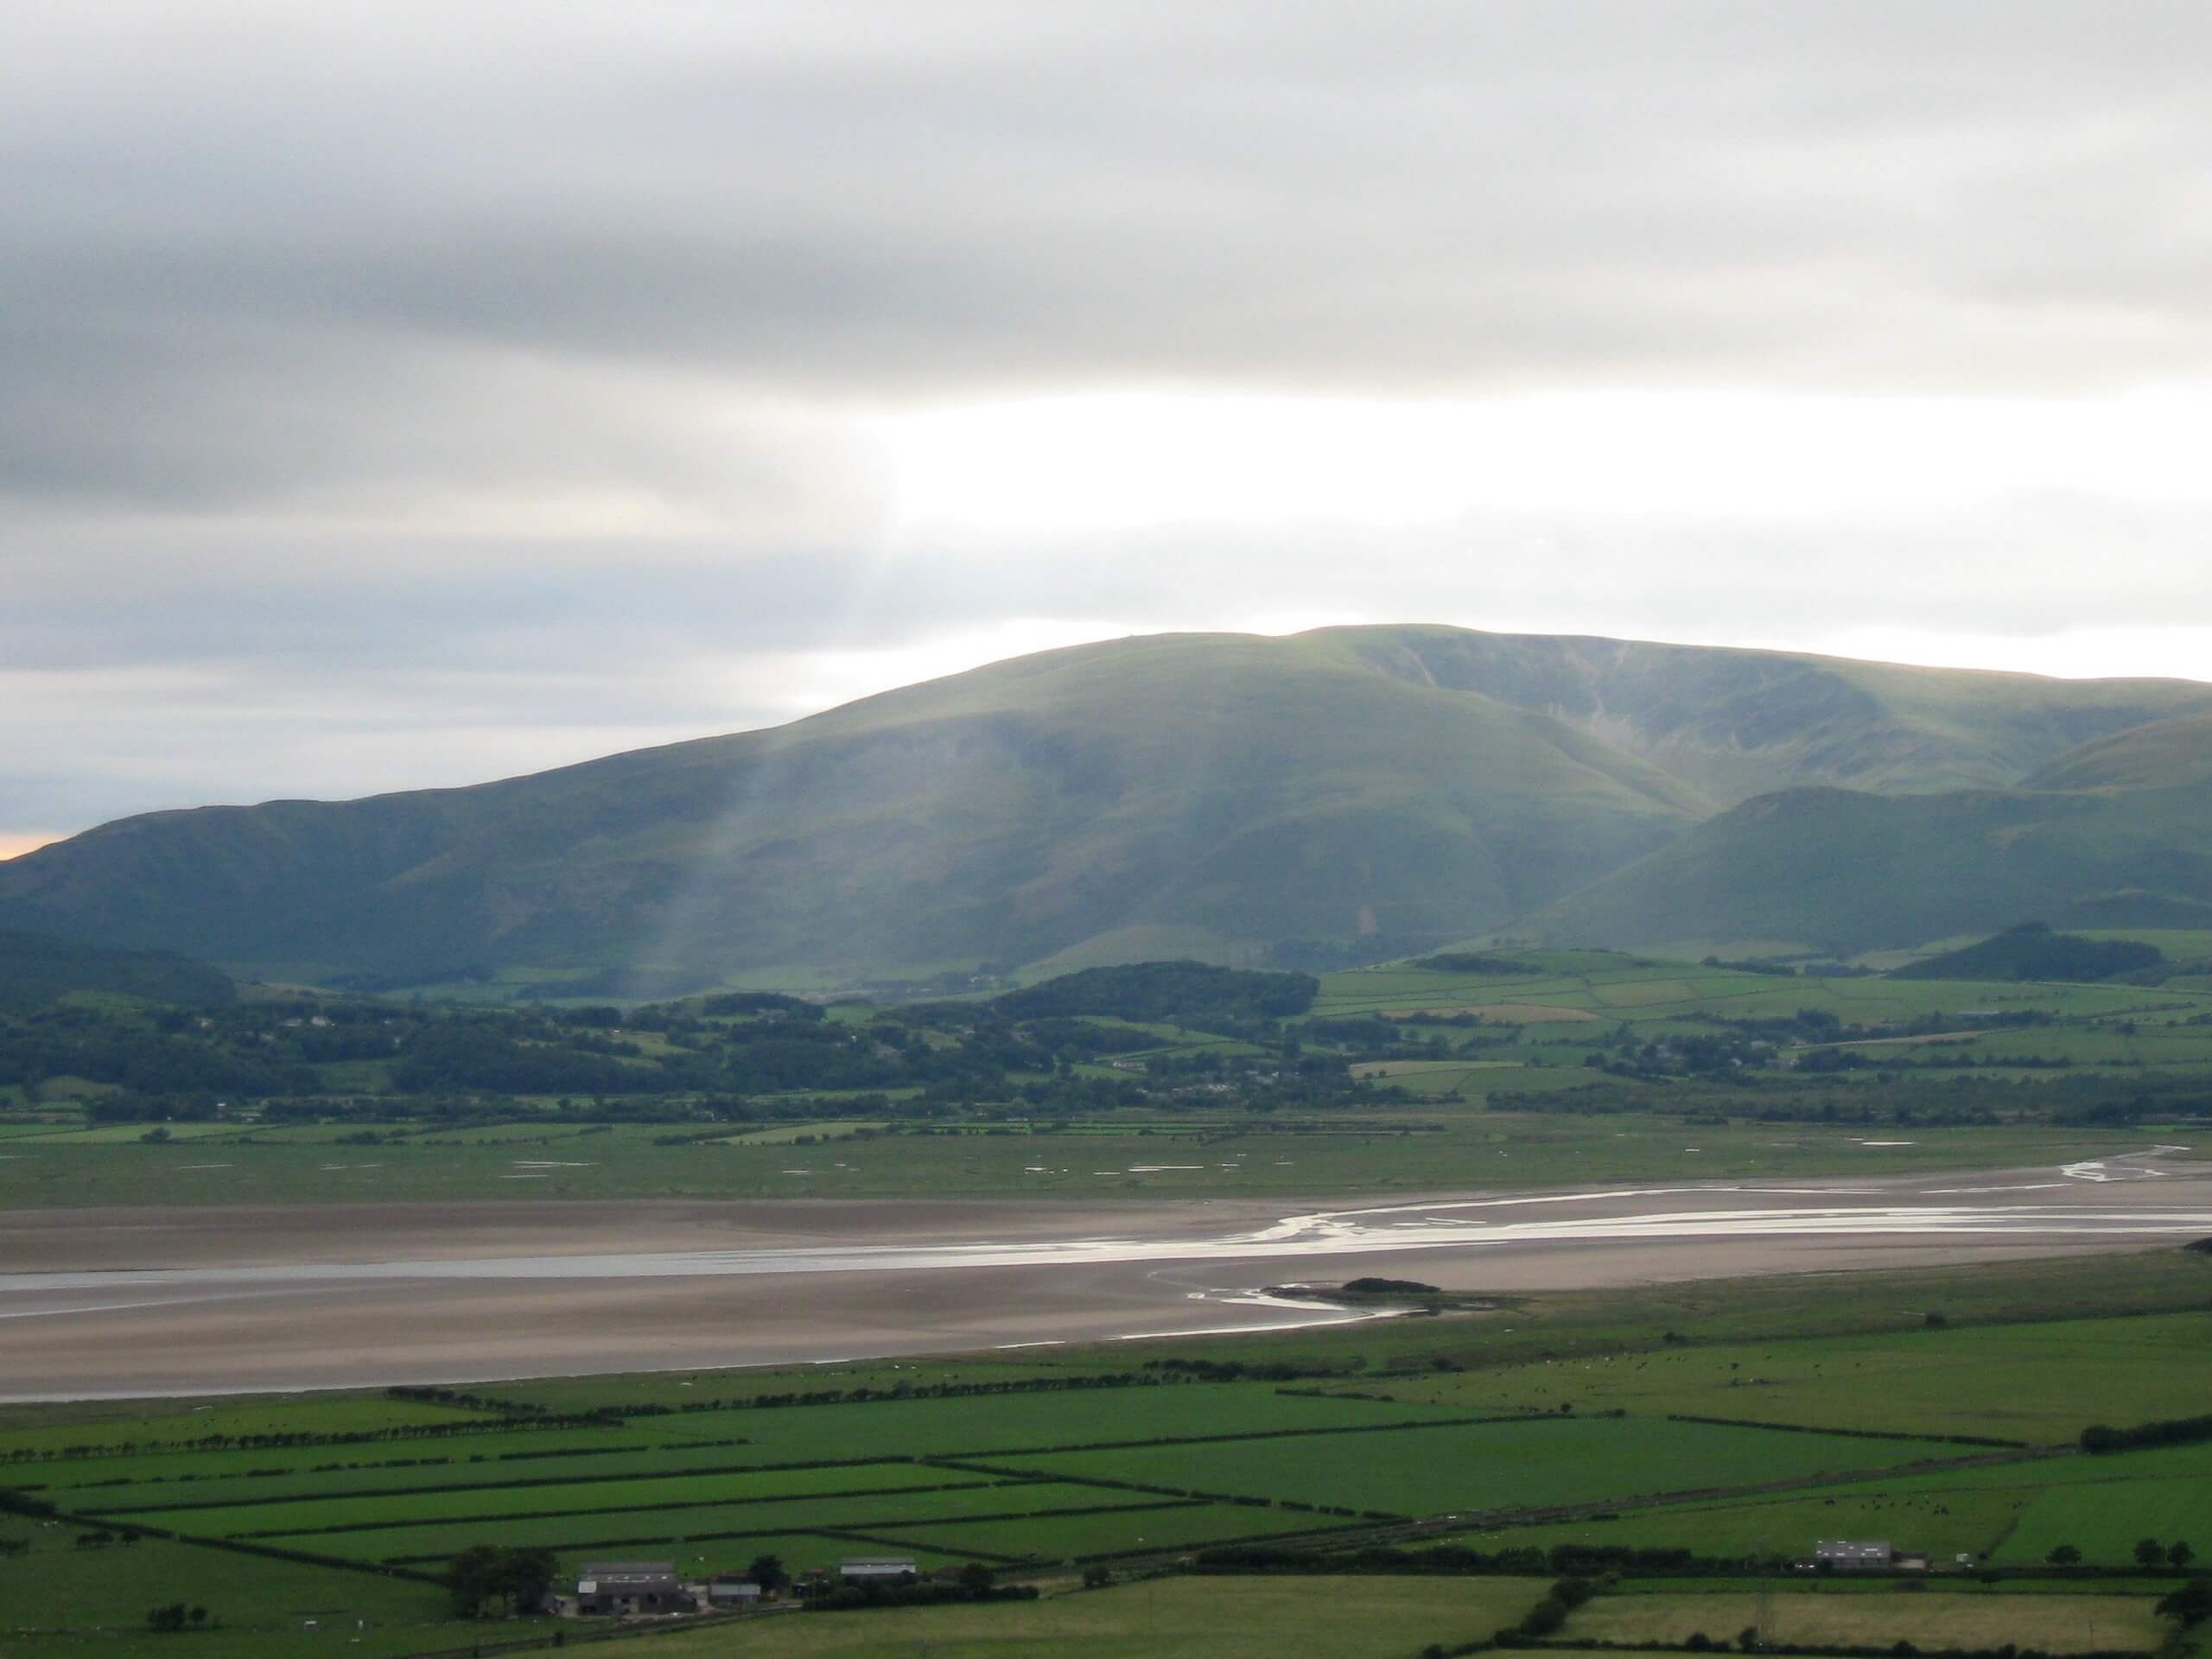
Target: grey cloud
x,y
288,290
1396,196
230,413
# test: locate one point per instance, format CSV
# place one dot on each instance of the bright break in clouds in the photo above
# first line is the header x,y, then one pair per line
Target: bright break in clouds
x,y
398,394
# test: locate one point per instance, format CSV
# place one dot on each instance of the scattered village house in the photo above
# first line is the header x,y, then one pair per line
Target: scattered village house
x,y
1852,1555
875,1569
623,1587
733,1593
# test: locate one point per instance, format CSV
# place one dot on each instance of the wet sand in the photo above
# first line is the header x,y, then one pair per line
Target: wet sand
x,y
198,1301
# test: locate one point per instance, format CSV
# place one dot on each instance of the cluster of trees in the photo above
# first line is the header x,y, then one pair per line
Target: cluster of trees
x,y
2192,1604
2033,951
110,1047
975,1583
769,1573
2149,1554
2172,1431
707,1058
175,1616
1192,994
281,1439
1777,970
516,1579
1520,1561
1156,1373
1549,1616
1695,1054
1471,962
2086,1101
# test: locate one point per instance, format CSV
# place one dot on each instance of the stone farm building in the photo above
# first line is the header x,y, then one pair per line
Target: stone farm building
x,y
875,1569
1853,1556
621,1587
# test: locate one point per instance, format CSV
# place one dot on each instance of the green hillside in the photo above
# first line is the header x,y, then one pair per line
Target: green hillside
x,y
2034,952
1247,792
2160,755
1849,871
1339,796
36,969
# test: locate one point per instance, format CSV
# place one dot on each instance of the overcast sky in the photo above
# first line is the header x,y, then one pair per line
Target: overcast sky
x,y
396,394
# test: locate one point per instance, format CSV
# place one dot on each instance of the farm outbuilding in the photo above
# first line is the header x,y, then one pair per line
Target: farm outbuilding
x,y
630,1587
876,1568
1854,1555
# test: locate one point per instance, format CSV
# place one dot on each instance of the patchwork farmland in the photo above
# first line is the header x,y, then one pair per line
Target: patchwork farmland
x,y
1145,1467
1666,1433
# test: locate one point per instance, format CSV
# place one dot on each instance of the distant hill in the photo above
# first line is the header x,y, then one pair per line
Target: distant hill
x,y
1848,872
2032,950
37,968
1185,991
1341,795
2161,755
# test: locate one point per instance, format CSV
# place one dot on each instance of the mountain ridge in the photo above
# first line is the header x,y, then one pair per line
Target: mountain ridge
x,y
1234,797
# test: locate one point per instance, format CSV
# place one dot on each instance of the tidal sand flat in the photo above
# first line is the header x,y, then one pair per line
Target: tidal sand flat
x,y
204,1300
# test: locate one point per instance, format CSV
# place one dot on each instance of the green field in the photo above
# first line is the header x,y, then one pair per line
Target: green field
x,y
1414,1147
1945,1522
1492,1466
1933,1620
99,1596
869,1488
1619,988
2012,1513
1157,1524
1937,1381
712,1475
1172,1619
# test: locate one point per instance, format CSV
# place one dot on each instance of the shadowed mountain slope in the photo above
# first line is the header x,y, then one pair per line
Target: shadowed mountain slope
x,y
1846,872
35,970
1218,796
1238,791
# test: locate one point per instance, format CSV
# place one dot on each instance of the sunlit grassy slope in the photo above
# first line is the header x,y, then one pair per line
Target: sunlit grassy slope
x,y
2161,755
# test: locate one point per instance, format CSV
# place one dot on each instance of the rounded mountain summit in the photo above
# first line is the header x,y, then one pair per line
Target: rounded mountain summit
x,y
1343,795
